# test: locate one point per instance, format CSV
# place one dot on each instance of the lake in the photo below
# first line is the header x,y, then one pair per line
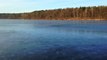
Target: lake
x,y
53,40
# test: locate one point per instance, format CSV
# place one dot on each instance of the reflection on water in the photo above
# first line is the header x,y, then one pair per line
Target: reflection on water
x,y
53,40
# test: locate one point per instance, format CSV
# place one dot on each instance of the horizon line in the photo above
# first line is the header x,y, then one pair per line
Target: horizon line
x,y
47,9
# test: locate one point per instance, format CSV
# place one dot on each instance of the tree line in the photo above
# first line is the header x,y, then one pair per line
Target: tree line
x,y
95,12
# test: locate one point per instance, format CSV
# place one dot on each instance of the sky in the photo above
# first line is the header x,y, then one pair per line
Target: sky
x,y
19,6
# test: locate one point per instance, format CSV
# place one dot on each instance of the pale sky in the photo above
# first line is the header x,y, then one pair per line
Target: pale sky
x,y
17,6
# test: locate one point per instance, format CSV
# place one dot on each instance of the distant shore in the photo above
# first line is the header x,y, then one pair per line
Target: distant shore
x,y
80,13
60,19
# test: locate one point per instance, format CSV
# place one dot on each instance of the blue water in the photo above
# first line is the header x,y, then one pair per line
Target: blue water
x,y
53,40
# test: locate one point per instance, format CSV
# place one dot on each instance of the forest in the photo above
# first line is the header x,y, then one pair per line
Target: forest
x,y
78,13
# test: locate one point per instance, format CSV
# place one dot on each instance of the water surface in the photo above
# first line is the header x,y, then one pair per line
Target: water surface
x,y
53,40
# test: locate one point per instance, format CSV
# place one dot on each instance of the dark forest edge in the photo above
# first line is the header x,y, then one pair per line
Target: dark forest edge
x,y
80,13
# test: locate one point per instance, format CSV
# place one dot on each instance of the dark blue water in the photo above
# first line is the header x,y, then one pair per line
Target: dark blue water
x,y
53,40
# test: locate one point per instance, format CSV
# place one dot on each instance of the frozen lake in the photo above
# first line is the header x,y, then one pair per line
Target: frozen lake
x,y
53,40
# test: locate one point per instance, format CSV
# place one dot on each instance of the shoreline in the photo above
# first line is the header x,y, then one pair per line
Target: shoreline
x,y
80,19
